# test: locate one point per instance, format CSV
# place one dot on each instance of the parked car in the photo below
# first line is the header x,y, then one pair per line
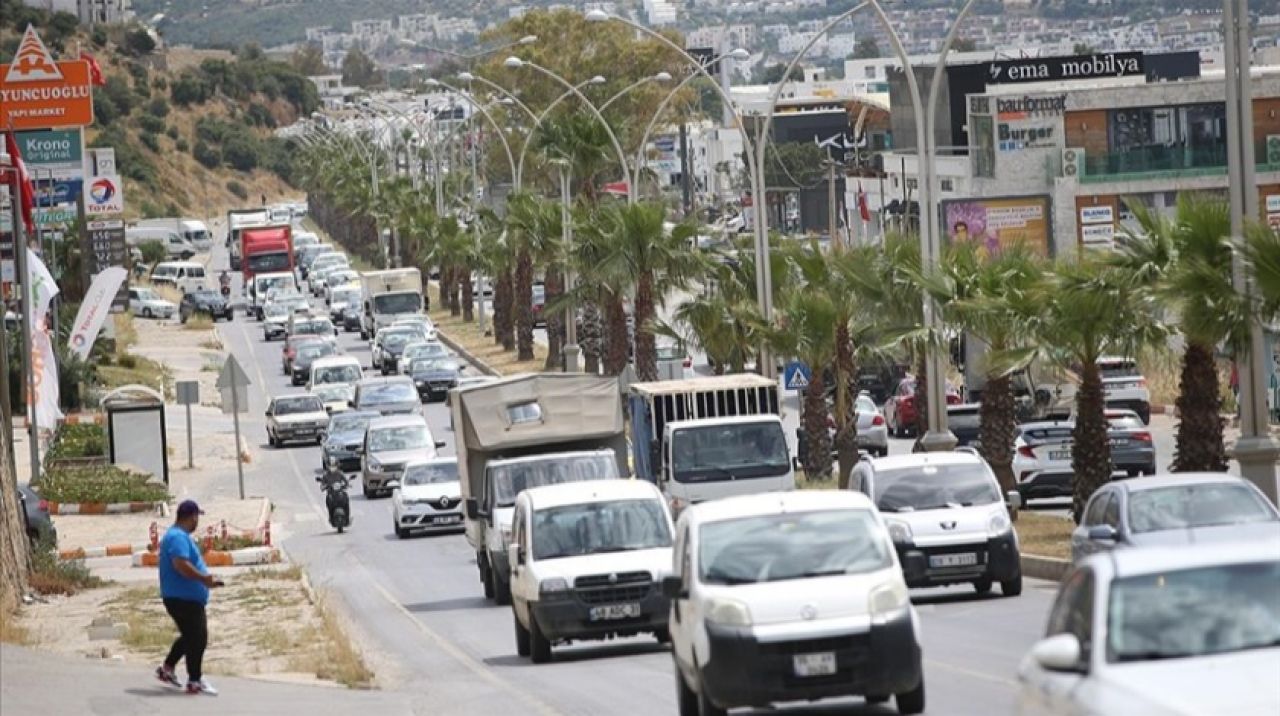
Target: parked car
x,y
306,355
946,508
335,396
207,303
434,377
146,303
1133,451
389,444
1172,511
1042,454
37,523
344,440
388,395
793,596
1124,386
900,408
429,498
588,563
873,434
295,418
965,422
421,349
1188,630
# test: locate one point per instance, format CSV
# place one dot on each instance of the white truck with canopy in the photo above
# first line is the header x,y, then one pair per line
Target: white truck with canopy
x,y
527,431
710,437
388,295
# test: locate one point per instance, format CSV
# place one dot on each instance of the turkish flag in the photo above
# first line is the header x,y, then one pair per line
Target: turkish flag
x,y
95,70
26,191
863,209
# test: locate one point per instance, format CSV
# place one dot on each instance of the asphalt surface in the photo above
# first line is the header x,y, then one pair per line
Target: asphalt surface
x,y
416,605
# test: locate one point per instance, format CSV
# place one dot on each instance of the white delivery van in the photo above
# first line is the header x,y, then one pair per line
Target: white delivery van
x,y
335,369
186,276
264,283
193,231
175,246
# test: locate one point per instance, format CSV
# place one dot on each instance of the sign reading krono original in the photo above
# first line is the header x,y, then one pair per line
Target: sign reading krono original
x,y
37,92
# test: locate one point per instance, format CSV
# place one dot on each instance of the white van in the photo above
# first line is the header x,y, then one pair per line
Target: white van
x,y
264,283
587,563
175,247
194,231
186,276
335,369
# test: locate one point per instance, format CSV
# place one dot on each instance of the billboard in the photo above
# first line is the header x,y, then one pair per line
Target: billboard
x,y
37,92
105,196
996,223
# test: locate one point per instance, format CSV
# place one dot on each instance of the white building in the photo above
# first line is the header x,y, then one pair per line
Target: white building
x,y
90,12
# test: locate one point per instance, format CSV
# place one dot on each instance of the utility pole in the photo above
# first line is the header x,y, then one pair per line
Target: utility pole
x,y
832,224
685,170
23,270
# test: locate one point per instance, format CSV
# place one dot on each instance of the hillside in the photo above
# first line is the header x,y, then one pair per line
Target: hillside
x,y
192,141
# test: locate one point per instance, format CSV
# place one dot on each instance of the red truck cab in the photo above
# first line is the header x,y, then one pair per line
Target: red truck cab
x,y
265,249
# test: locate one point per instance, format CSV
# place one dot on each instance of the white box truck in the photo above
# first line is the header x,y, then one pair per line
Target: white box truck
x,y
388,295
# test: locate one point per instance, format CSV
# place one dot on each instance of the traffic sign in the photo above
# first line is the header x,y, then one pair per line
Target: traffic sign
x,y
796,376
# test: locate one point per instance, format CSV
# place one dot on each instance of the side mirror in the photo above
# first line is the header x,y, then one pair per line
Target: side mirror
x,y
393,484
914,565
1060,652
319,478
440,443
518,550
1102,533
473,509
1014,499
267,414
673,587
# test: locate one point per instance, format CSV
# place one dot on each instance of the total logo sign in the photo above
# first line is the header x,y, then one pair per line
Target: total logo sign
x,y
104,195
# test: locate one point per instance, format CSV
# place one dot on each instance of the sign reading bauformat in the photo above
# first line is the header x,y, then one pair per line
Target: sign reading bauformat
x,y
1076,67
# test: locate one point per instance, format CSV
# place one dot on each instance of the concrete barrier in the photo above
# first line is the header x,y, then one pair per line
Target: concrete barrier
x,y
1048,568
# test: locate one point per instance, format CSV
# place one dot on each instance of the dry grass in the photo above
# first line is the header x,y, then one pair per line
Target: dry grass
x,y
137,371
337,659
11,631
126,334
198,322
212,343
168,293
1044,535
470,337
289,573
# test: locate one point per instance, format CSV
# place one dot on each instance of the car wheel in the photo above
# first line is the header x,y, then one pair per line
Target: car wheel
x,y
685,697
486,579
706,707
400,531
501,591
364,335
883,452
364,488
1012,587
146,313
911,702
182,318
271,439
663,636
539,645
522,636
982,586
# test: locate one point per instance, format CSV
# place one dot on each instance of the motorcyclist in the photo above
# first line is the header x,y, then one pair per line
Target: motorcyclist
x,y
331,479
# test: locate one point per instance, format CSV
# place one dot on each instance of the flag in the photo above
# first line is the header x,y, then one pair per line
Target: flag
x,y
26,191
45,367
95,70
43,287
94,309
863,210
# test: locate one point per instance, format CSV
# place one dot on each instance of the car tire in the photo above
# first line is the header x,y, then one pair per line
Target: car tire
x,y
271,439
364,488
501,591
146,313
400,531
686,699
182,318
539,645
364,335
1011,587
663,636
486,580
523,646
883,452
706,707
982,586
912,702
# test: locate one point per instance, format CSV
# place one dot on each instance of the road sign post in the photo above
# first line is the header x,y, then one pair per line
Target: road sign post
x,y
796,376
233,384
188,393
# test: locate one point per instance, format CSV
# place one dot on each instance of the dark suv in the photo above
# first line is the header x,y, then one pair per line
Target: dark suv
x,y
208,303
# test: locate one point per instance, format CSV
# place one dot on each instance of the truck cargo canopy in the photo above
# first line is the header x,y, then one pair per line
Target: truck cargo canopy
x,y
704,384
531,409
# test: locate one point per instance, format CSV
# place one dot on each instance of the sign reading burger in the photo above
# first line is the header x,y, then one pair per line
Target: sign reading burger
x,y
37,92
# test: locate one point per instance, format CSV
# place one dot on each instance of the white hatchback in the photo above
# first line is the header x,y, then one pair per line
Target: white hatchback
x,y
429,498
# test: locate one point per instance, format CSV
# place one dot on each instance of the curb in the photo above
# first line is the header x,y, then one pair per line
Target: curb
x,y
1047,568
101,508
215,558
466,354
112,550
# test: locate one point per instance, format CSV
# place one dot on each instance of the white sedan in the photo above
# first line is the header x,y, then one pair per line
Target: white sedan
x,y
429,498
1162,632
873,434
146,303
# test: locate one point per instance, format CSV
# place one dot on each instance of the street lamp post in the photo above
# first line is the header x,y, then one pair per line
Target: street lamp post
x,y
1256,451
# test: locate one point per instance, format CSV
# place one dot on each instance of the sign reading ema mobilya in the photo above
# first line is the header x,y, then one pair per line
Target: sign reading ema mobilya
x,y
1077,67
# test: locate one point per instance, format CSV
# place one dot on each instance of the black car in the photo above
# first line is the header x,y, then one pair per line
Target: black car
x,y
35,512
307,354
208,303
344,440
434,377
351,319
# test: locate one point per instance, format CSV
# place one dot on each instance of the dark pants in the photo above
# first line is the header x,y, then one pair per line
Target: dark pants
x,y
193,635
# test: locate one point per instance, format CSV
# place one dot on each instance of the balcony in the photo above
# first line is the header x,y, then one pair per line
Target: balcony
x,y
1154,163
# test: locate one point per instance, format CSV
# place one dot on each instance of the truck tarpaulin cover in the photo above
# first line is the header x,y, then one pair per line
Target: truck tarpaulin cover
x,y
527,410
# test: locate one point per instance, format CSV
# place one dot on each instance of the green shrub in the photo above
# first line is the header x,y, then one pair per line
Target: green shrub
x,y
98,483
241,151
138,42
150,141
152,252
98,36
52,575
208,156
190,89
129,360
158,107
172,132
181,144
73,441
238,189
152,124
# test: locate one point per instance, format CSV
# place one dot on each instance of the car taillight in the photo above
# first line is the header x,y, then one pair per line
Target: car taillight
x,y
1027,452
1140,383
878,420
44,505
688,362
1144,437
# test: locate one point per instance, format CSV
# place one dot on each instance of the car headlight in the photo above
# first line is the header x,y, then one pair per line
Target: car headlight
x,y
899,531
728,612
999,524
420,382
554,588
374,465
887,599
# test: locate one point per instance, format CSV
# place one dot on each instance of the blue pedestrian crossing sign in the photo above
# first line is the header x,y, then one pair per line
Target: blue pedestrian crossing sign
x,y
796,376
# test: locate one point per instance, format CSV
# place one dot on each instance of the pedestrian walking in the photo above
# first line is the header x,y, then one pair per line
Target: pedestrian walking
x,y
184,586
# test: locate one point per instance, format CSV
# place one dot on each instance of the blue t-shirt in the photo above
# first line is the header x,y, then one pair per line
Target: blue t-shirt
x,y
177,542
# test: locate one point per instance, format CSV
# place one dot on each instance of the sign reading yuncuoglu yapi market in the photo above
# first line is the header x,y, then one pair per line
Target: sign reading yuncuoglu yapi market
x,y
37,92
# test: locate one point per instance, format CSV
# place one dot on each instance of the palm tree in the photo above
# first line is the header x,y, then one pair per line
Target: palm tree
x,y
1185,263
1262,248
1091,308
807,330
524,221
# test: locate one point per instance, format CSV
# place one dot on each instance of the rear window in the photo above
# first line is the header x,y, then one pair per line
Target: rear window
x,y
195,272
1051,434
1118,369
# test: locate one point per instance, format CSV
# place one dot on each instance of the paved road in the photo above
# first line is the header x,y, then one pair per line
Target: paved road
x,y
419,600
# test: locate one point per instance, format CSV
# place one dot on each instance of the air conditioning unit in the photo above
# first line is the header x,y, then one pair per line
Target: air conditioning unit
x,y
1273,149
1072,162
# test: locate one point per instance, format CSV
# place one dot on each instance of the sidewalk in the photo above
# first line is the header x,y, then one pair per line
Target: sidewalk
x,y
39,683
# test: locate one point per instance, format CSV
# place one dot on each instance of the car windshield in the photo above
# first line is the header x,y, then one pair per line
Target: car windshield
x,y
793,545
397,340
335,374
1204,505
266,263
729,452
1194,612
428,350
1118,370
276,310
349,423
408,437
267,284
319,349
1125,422
964,417
934,487
146,294
333,393
205,297
312,328
597,527
435,473
510,479
388,393
424,365
865,406
294,406
397,303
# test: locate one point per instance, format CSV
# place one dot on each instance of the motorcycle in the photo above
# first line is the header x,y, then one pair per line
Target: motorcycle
x,y
337,501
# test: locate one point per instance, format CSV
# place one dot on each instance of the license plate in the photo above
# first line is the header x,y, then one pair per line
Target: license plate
x,y
1059,454
963,559
615,611
446,520
822,663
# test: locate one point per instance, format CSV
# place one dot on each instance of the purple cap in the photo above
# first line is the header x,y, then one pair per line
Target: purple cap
x,y
189,507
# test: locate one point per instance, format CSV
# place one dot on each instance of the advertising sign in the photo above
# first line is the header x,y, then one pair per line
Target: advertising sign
x,y
1000,222
104,247
1097,215
1076,67
58,191
104,195
38,93
62,215
1016,137
1097,236
104,161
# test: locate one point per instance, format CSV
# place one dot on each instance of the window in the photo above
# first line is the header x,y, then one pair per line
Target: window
x,y
1093,513
520,413
948,185
1073,611
869,72
1111,513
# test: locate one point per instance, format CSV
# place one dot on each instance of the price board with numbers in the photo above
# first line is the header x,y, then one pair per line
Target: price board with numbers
x,y
104,247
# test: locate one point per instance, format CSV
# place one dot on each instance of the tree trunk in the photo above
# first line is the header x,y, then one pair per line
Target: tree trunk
x,y
817,458
846,414
999,425
1198,446
444,286
455,283
615,358
555,323
646,354
1091,449
15,554
590,338
503,292
523,302
468,295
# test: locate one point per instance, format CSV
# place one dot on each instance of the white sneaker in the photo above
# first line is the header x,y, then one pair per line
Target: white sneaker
x,y
201,687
